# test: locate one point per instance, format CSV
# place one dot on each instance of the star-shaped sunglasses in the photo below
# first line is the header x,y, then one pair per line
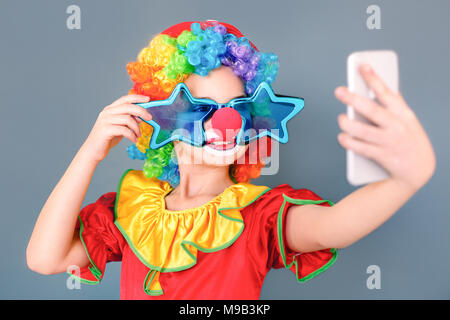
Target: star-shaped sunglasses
x,y
244,119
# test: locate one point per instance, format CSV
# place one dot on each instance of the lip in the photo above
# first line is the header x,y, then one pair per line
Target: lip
x,y
220,145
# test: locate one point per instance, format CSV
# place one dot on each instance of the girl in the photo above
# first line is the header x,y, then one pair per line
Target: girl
x,y
190,225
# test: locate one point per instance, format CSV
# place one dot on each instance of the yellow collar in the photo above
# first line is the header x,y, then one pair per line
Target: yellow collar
x,y
168,241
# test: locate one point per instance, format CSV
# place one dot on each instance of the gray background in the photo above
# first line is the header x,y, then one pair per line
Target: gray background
x,y
55,81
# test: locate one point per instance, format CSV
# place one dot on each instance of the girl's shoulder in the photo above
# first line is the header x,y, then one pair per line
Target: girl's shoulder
x,y
285,192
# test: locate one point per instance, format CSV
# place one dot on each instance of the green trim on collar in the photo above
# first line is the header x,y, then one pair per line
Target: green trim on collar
x,y
281,243
146,287
183,243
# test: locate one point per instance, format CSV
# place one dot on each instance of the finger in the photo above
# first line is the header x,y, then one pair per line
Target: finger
x,y
385,95
131,109
125,120
138,119
131,98
361,130
363,148
364,106
117,130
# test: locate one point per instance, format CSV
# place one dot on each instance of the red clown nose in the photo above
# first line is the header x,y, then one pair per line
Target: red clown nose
x,y
227,121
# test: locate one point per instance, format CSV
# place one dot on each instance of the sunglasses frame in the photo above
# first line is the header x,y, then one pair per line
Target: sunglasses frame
x,y
298,103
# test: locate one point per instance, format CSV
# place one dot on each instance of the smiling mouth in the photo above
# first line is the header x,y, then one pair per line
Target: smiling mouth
x,y
221,145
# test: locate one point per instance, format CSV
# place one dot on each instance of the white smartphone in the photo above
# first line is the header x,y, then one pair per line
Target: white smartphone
x,y
362,170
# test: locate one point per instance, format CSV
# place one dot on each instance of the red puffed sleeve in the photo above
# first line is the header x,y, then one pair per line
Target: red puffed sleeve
x,y
101,238
272,208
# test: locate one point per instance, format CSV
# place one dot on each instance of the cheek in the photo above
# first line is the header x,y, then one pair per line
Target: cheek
x,y
209,131
207,124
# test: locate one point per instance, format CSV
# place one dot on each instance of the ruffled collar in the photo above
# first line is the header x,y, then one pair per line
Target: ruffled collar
x,y
167,241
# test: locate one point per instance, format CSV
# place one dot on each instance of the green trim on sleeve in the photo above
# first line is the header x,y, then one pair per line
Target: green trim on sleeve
x,y
96,272
281,243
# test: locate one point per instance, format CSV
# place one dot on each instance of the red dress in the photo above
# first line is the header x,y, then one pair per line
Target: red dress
x,y
235,272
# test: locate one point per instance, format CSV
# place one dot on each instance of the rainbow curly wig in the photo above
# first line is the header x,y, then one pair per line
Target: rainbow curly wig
x,y
173,55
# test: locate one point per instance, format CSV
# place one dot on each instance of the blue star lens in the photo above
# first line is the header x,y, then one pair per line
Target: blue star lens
x,y
181,116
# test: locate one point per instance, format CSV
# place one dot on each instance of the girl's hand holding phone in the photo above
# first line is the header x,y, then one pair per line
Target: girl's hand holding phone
x,y
119,119
397,141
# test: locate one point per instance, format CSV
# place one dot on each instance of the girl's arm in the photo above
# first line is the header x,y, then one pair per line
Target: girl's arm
x,y
54,245
398,142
